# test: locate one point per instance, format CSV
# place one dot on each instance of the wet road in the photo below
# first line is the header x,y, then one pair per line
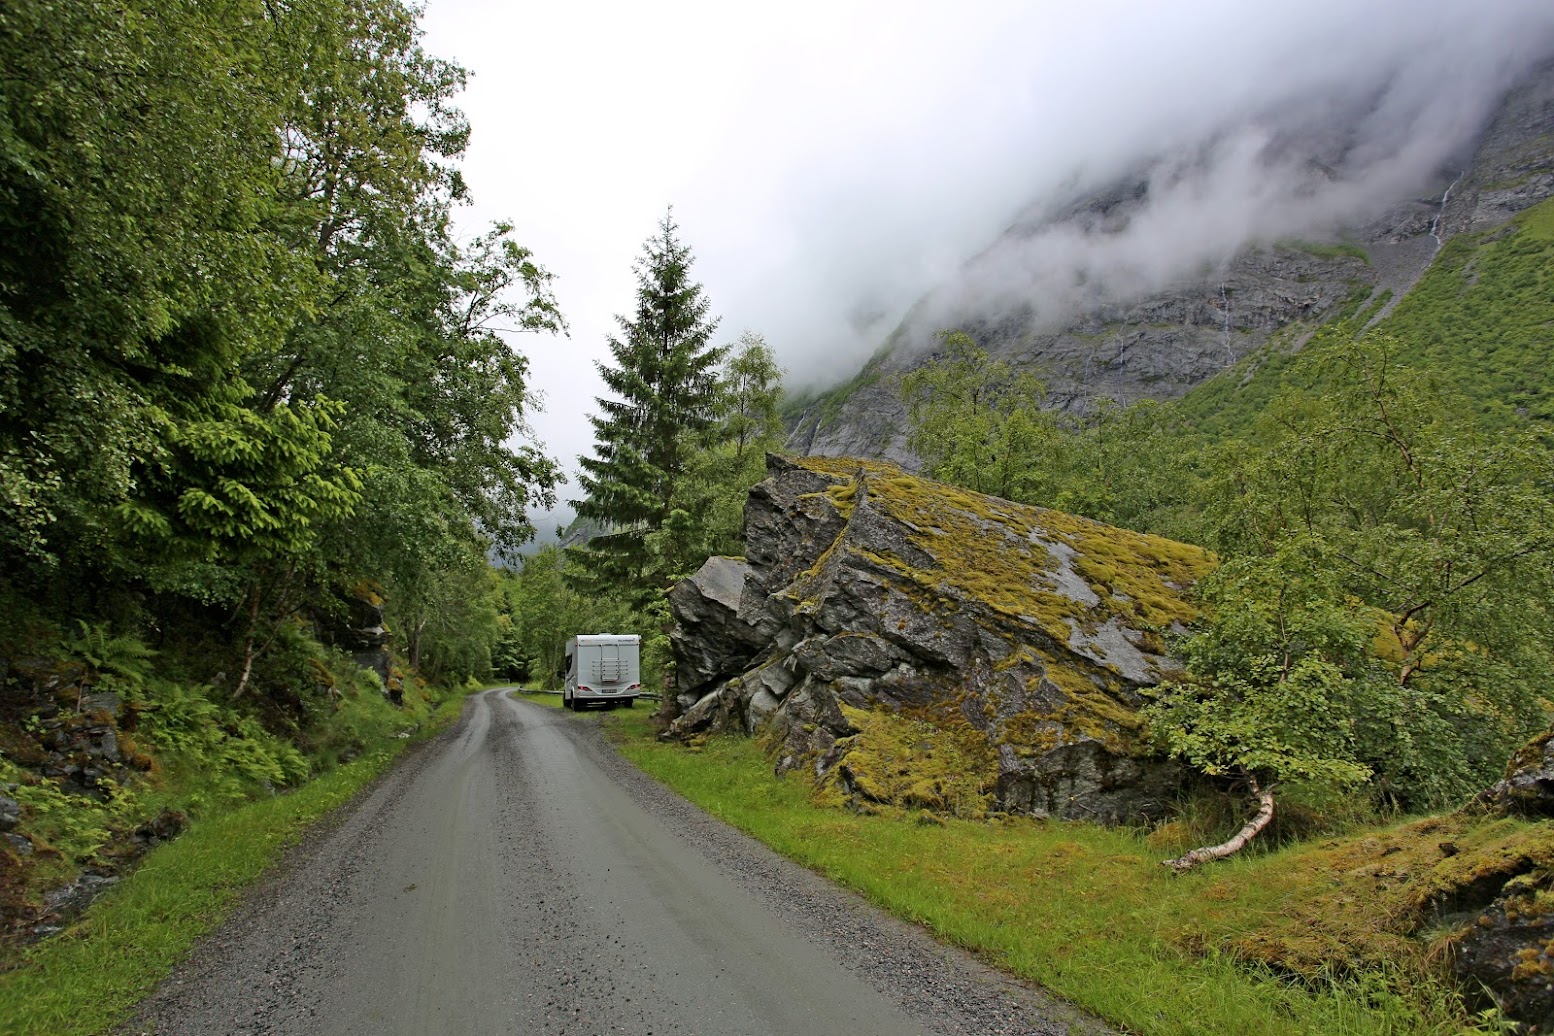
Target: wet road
x,y
515,877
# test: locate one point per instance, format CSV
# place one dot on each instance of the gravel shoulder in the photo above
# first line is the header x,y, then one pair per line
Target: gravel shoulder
x,y
515,875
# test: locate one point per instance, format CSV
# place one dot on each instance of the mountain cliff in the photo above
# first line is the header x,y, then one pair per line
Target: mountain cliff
x,y
1094,334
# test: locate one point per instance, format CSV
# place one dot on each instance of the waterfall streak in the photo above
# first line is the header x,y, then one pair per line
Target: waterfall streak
x,y
1436,223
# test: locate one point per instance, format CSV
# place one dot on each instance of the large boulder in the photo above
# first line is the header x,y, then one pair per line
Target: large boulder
x,y
866,590
708,603
1508,954
1528,787
1504,952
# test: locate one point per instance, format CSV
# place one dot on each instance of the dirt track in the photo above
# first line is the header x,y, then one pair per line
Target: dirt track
x,y
514,876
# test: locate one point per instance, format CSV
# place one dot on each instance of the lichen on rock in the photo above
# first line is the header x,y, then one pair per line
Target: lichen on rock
x,y
870,592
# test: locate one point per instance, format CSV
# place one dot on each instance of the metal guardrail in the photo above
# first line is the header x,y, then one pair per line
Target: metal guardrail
x,y
644,695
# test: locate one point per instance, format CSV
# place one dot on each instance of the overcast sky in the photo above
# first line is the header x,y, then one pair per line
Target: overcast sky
x,y
829,162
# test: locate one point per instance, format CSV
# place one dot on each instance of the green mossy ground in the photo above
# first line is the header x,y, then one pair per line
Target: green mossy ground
x,y
1401,893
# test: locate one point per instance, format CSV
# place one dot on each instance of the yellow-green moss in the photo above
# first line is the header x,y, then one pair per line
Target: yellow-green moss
x,y
1140,577
981,544
848,467
1358,901
985,551
915,759
1090,711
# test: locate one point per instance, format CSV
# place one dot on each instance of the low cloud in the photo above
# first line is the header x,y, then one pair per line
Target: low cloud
x,y
1219,107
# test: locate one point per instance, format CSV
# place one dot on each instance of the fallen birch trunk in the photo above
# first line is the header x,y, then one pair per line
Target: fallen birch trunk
x,y
1249,831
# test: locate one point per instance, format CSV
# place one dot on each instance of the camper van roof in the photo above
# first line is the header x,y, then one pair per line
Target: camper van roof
x,y
608,638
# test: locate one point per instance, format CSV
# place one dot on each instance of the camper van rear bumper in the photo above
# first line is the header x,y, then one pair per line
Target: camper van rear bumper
x,y
587,694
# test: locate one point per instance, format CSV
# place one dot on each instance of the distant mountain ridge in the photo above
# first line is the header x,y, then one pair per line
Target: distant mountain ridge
x,y
1164,343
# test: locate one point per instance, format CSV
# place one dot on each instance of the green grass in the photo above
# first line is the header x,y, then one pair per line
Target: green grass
x,y
550,699
1334,250
90,977
1086,912
1483,316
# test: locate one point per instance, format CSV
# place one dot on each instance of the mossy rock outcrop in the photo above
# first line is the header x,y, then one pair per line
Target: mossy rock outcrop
x,y
1011,643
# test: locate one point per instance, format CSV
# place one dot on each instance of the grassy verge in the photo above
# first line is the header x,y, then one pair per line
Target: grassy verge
x,y
1086,912
551,699
89,977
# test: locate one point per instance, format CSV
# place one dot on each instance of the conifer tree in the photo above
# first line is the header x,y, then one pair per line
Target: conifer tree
x,y
666,378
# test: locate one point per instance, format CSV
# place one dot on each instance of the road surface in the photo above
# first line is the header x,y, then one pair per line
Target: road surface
x,y
514,876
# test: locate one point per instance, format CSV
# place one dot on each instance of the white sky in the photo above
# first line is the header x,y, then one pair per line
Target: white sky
x,y
828,162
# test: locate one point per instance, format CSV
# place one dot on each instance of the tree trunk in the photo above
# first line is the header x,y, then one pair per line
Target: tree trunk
x,y
248,643
1218,852
414,647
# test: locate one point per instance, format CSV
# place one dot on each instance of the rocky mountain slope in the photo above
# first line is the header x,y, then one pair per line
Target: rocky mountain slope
x,y
1161,345
923,646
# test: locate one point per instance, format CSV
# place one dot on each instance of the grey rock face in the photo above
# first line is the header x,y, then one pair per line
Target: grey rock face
x,y
709,600
870,591
357,627
1508,950
1514,165
10,813
1528,787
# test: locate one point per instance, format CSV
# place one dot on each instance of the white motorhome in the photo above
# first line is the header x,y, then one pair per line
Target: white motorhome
x,y
604,668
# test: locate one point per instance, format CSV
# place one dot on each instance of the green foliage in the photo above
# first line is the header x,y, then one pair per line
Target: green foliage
x,y
751,385
243,359
243,487
357,717
194,731
1479,318
114,661
1275,677
1444,529
72,824
449,619
1127,466
980,423
706,512
136,157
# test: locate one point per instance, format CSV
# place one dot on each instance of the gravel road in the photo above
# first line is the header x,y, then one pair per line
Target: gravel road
x,y
515,876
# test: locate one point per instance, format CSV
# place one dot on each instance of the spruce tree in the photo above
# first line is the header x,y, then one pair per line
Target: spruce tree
x,y
666,377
